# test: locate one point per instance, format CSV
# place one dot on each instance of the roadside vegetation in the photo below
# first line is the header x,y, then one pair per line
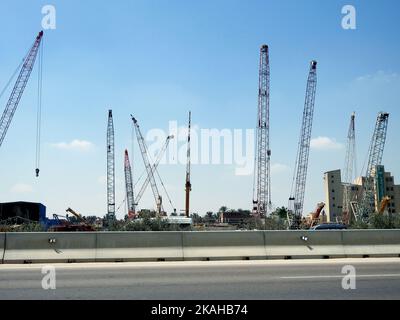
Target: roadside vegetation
x,y
240,220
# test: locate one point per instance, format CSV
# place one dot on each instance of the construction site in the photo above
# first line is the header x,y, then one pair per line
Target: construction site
x,y
351,200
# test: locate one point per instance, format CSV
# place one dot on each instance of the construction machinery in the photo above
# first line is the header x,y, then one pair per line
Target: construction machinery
x,y
384,203
18,89
110,168
153,169
296,199
375,154
67,225
314,217
350,168
76,214
188,185
150,171
129,187
262,177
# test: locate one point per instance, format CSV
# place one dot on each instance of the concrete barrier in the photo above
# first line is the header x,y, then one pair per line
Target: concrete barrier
x,y
36,247
373,243
2,243
223,245
303,244
139,246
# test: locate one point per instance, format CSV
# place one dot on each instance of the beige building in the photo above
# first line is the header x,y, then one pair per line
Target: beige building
x,y
333,195
384,185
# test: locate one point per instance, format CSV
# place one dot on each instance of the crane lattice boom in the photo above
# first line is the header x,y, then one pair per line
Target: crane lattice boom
x,y
296,199
153,169
19,87
129,186
110,167
262,190
150,173
350,168
188,185
375,155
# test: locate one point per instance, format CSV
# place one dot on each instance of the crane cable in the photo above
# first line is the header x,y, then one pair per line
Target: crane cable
x,y
165,190
39,108
120,205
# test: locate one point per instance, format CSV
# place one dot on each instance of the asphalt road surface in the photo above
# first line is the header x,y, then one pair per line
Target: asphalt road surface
x,y
288,279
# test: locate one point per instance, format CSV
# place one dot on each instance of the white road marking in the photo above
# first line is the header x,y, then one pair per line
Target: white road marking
x,y
207,264
341,276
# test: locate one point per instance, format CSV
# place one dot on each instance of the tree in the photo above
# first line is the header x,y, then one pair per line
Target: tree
x,y
223,209
196,218
280,212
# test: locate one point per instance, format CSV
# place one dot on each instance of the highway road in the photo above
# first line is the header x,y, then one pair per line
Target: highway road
x,y
376,278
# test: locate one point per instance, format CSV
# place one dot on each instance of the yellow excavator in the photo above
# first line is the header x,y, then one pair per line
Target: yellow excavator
x,y
384,204
314,217
66,225
76,214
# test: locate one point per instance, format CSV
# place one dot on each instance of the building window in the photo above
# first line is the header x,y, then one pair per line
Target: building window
x,y
333,198
391,189
334,205
333,190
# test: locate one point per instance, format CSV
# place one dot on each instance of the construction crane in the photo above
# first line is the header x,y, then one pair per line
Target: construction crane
x,y
110,168
375,155
350,167
19,88
262,177
129,187
150,173
153,169
296,198
188,185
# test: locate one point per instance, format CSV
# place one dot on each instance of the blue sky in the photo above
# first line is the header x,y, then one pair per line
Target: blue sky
x,y
158,59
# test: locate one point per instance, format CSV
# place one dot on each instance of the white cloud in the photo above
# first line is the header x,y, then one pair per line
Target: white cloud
x,y
21,188
279,168
325,143
80,145
380,76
